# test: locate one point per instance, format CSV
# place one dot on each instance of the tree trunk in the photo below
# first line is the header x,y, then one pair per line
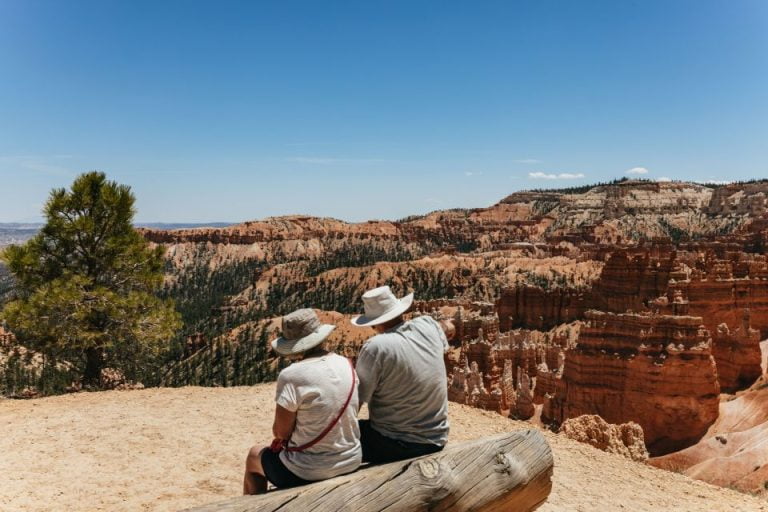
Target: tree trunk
x,y
94,362
508,472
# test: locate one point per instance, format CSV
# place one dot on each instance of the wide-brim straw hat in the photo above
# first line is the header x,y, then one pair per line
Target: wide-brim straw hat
x,y
381,306
301,331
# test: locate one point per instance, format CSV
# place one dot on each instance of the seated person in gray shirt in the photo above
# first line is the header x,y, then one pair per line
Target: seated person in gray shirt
x,y
402,379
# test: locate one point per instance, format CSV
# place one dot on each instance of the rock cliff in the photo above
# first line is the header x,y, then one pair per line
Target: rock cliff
x,y
657,371
737,354
618,213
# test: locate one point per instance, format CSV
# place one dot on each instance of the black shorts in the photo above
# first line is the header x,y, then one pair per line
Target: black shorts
x,y
380,449
276,472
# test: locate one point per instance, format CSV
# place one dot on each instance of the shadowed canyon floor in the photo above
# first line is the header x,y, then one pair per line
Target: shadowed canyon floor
x,y
734,451
166,449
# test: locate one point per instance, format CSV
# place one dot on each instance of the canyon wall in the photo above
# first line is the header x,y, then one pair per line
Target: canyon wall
x,y
623,213
536,308
720,297
737,354
655,370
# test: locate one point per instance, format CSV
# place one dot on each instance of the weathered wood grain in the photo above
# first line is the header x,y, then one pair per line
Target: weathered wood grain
x,y
508,472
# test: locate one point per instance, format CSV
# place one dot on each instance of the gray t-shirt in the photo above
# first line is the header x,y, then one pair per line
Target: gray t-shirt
x,y
316,389
403,380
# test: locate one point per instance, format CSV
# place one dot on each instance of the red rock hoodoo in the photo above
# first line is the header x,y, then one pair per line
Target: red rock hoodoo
x,y
625,439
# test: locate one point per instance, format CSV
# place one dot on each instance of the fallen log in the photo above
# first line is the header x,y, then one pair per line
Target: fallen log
x,y
508,472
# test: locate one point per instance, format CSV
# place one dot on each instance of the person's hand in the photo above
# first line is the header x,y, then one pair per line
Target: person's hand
x,y
448,328
277,445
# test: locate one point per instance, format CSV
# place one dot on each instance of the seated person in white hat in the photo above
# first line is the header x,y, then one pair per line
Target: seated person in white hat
x,y
315,427
402,379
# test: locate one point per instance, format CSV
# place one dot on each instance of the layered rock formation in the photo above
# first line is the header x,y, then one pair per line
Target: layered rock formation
x,y
537,253
739,199
536,308
625,439
715,281
500,371
719,293
728,289
273,229
632,277
657,371
628,281
466,387
617,213
737,354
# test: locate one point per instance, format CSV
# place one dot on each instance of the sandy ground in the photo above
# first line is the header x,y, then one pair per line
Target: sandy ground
x,y
167,449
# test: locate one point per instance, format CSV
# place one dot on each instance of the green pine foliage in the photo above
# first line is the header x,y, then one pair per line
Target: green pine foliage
x,y
242,360
20,375
361,255
86,285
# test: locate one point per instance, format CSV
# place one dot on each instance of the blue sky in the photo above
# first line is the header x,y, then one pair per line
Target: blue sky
x,y
231,111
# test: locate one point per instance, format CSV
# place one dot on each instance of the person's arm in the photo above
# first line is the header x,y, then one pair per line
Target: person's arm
x,y
448,328
286,408
445,331
366,375
285,422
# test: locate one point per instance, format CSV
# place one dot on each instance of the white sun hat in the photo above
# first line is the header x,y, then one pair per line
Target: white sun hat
x,y
302,330
381,306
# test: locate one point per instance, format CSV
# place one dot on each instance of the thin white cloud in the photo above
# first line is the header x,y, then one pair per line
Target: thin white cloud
x,y
473,173
718,182
637,170
561,176
528,161
663,178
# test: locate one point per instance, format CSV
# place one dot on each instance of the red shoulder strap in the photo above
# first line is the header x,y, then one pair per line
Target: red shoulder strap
x,y
333,423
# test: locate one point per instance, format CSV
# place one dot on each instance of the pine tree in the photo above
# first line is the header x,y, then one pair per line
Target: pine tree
x,y
86,284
